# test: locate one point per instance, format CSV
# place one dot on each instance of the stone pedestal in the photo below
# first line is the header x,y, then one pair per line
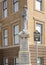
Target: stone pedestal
x,y
24,54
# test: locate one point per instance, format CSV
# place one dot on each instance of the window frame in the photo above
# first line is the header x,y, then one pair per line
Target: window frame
x,y
4,8
14,10
41,59
15,61
15,34
5,63
5,37
41,8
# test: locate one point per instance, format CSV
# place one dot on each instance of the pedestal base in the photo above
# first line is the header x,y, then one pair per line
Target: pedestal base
x,y
24,58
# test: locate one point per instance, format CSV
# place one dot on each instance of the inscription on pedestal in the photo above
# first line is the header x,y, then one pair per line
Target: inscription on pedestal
x,y
24,58
24,45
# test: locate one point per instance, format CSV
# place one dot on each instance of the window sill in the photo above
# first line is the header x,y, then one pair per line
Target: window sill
x,y
14,12
16,44
5,46
39,11
4,18
9,15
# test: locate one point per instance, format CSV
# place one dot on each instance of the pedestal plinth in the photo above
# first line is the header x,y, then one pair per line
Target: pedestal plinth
x,y
24,54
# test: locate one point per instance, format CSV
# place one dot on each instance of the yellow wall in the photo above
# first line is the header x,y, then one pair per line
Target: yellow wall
x,y
33,16
14,18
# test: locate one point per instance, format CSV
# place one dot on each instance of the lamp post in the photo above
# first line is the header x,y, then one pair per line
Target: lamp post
x,y
36,39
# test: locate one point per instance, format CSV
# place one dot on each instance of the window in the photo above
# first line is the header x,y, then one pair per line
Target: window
x,y
15,5
39,28
16,61
5,8
5,37
5,61
39,61
16,36
38,5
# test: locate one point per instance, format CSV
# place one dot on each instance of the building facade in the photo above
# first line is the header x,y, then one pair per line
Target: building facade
x,y
11,23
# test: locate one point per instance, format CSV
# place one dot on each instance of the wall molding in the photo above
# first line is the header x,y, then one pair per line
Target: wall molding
x,y
9,47
7,24
39,19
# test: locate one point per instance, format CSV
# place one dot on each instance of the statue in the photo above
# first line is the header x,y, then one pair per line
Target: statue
x,y
25,17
